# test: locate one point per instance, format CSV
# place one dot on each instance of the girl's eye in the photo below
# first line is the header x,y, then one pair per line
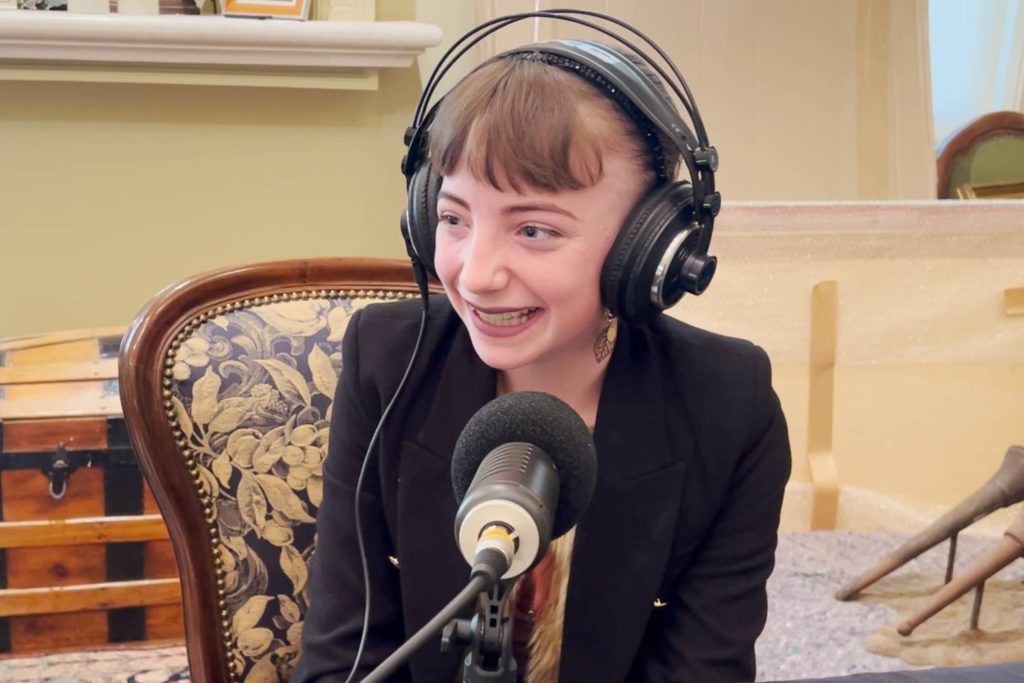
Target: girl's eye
x,y
449,219
534,232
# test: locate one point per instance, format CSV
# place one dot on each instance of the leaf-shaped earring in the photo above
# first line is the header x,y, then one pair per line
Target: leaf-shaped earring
x,y
605,341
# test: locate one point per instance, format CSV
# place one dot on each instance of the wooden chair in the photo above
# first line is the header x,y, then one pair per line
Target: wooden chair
x,y
983,159
227,381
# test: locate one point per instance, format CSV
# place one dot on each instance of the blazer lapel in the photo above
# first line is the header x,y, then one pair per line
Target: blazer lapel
x,y
624,538
466,384
432,568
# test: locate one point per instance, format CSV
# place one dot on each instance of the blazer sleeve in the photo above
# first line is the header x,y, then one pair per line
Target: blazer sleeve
x,y
334,619
706,633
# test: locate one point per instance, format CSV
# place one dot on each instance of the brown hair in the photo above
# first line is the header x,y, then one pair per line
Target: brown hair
x,y
521,121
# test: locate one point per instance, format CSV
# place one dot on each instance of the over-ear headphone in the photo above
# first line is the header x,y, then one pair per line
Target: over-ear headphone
x,y
661,251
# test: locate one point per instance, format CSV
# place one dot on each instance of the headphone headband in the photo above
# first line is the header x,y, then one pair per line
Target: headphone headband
x,y
633,83
475,35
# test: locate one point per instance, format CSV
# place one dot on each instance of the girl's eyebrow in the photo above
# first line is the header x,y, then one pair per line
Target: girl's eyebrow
x,y
538,206
514,208
454,198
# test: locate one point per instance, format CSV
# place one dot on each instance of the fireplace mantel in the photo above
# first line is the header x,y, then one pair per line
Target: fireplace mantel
x,y
206,50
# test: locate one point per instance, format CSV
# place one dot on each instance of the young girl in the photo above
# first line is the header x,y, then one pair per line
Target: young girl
x,y
663,578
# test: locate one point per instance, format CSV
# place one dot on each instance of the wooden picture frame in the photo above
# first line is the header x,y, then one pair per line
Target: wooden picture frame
x,y
1012,190
268,9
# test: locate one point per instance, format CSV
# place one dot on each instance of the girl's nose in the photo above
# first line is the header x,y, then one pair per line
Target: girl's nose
x,y
484,267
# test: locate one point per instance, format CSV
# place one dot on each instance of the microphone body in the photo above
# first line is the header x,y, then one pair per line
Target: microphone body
x,y
515,490
523,471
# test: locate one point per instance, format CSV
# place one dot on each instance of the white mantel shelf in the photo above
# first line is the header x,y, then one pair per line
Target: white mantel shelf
x,y
213,50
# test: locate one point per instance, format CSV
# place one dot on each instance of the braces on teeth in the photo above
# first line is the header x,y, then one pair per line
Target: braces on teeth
x,y
508,318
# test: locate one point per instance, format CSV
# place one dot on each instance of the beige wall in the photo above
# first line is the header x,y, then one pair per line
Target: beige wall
x,y
110,192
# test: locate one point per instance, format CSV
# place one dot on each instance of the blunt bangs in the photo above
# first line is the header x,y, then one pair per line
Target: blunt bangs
x,y
519,122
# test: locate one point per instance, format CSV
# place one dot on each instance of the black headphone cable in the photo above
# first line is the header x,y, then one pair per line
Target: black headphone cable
x,y
421,280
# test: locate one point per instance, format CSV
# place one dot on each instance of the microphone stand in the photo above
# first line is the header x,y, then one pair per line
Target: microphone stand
x,y
487,637
484,580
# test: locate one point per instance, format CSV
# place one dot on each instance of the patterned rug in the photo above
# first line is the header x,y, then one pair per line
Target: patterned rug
x,y
136,665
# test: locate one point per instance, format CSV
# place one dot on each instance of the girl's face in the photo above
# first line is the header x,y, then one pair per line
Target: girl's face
x,y
523,270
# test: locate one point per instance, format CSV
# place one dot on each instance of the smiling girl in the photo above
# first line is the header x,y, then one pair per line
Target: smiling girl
x,y
538,169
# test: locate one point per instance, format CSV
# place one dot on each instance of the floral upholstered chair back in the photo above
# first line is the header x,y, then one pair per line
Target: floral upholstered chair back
x,y
248,387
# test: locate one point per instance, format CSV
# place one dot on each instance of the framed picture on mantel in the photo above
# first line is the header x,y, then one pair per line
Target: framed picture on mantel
x,y
1013,190
276,9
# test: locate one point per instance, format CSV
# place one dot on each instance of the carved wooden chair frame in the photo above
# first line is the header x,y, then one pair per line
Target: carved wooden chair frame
x,y
146,360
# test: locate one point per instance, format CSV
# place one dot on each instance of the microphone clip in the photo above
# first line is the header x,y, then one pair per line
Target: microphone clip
x,y
487,638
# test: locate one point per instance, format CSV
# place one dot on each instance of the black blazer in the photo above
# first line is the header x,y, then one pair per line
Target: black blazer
x,y
693,455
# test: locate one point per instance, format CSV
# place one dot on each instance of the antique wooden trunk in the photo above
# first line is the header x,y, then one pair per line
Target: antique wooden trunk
x,y
84,559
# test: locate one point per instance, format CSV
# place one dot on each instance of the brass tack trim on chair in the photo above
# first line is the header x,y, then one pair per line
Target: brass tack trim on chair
x,y
188,454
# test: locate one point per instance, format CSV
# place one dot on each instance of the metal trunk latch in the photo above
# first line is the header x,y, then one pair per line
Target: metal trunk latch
x,y
58,472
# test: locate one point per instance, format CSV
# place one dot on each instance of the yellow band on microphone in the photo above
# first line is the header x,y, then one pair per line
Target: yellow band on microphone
x,y
499,532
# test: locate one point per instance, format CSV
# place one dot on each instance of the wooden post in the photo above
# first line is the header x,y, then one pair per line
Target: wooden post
x,y
824,475
1013,301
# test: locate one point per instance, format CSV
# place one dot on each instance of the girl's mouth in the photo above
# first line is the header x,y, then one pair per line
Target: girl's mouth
x,y
506,318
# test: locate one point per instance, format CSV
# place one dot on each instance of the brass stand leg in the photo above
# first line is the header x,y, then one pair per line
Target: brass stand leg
x,y
979,592
952,557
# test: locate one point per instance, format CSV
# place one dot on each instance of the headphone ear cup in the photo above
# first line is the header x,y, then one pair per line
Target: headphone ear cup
x,y
629,273
421,215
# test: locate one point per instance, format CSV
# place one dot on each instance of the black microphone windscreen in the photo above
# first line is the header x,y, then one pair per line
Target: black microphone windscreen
x,y
546,422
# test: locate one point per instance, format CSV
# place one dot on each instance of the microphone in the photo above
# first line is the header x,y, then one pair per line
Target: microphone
x,y
523,470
